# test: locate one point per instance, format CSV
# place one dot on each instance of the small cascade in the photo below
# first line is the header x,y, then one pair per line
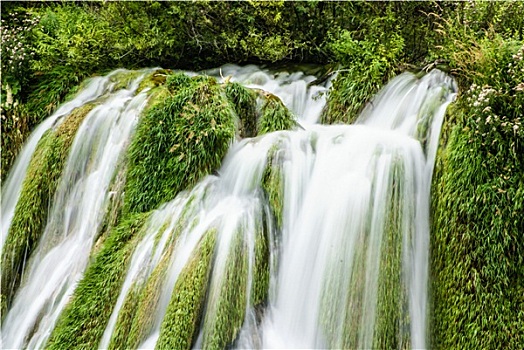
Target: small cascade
x,y
95,88
309,238
76,214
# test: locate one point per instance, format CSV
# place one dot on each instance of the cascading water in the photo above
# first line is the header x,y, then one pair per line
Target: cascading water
x,y
76,214
315,238
11,188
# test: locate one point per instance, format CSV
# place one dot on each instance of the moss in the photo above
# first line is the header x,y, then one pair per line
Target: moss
x,y
260,287
391,326
180,326
274,116
227,301
477,245
114,208
177,80
37,192
84,320
177,142
136,317
121,79
273,185
143,319
154,79
244,101
352,89
127,313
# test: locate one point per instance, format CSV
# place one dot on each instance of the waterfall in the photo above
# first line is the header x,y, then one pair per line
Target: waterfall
x,y
76,213
310,238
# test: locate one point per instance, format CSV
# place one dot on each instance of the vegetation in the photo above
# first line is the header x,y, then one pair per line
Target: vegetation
x,y
478,196
38,190
181,324
84,320
477,244
170,150
227,301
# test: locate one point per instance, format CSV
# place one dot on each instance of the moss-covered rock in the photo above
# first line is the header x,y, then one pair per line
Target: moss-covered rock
x,y
273,185
36,197
84,320
261,268
244,101
274,116
227,299
180,326
177,142
392,327
477,244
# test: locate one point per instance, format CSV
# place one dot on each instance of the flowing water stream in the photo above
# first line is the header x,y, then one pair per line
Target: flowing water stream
x,y
76,214
338,258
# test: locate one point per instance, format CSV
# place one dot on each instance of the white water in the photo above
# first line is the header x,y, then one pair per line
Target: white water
x,y
75,217
340,183
293,89
13,184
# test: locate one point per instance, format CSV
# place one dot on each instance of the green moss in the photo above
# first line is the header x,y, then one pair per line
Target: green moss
x,y
391,326
275,116
177,142
273,186
136,317
260,287
122,79
181,322
37,192
177,80
154,79
244,101
143,319
477,242
83,322
348,96
227,301
127,313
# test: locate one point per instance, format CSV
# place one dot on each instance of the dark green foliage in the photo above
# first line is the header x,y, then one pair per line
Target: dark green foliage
x,y
181,322
84,320
177,142
36,196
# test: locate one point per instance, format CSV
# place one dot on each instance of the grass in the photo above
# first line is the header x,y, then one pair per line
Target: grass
x,y
177,142
275,116
476,256
244,101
